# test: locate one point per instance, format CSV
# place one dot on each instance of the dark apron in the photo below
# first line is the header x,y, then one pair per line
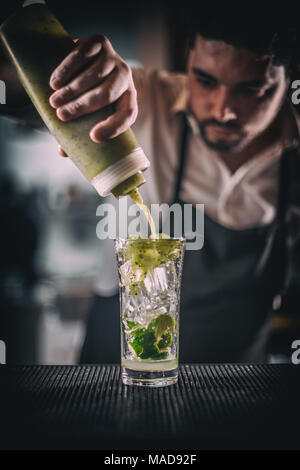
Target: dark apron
x,y
228,286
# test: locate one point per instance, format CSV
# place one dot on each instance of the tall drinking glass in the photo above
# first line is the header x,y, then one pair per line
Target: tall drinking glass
x,y
150,278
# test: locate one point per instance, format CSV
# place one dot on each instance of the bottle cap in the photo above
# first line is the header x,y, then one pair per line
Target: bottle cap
x,y
115,174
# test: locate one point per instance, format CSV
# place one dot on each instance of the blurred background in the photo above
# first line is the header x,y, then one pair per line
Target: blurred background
x,y
49,252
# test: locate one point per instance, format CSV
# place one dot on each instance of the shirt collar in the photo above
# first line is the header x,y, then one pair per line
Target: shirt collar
x,y
181,105
181,102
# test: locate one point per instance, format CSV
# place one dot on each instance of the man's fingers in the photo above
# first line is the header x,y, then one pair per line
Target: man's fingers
x,y
107,93
89,78
85,50
61,151
105,81
118,122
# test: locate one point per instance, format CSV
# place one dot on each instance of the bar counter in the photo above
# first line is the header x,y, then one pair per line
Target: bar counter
x,y
219,406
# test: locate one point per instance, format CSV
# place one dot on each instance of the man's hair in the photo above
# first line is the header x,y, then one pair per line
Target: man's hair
x,y
265,33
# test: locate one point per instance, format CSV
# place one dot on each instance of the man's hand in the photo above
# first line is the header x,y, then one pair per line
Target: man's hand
x,y
106,79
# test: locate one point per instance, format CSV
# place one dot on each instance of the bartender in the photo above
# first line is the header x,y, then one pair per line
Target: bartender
x,y
224,134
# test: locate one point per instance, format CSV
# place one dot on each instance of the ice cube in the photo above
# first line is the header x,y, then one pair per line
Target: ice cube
x,y
133,305
126,273
171,275
130,276
156,281
152,313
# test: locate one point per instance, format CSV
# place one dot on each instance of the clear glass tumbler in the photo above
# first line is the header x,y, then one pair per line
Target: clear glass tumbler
x,y
150,278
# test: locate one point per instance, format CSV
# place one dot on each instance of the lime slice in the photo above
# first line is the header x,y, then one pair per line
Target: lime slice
x,y
165,342
163,327
135,348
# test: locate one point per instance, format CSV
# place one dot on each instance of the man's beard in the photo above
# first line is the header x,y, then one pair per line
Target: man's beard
x,y
220,144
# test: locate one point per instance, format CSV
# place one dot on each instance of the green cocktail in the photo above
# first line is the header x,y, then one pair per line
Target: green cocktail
x,y
150,278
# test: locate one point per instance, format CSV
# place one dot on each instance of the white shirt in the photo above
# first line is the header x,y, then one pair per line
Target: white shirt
x,y
244,199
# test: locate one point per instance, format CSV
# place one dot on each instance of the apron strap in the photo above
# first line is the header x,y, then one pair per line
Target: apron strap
x,y
282,201
282,204
183,135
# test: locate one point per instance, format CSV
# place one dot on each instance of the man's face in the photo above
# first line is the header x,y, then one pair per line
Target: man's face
x,y
233,93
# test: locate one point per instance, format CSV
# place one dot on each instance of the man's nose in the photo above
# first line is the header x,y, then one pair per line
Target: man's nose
x,y
223,107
